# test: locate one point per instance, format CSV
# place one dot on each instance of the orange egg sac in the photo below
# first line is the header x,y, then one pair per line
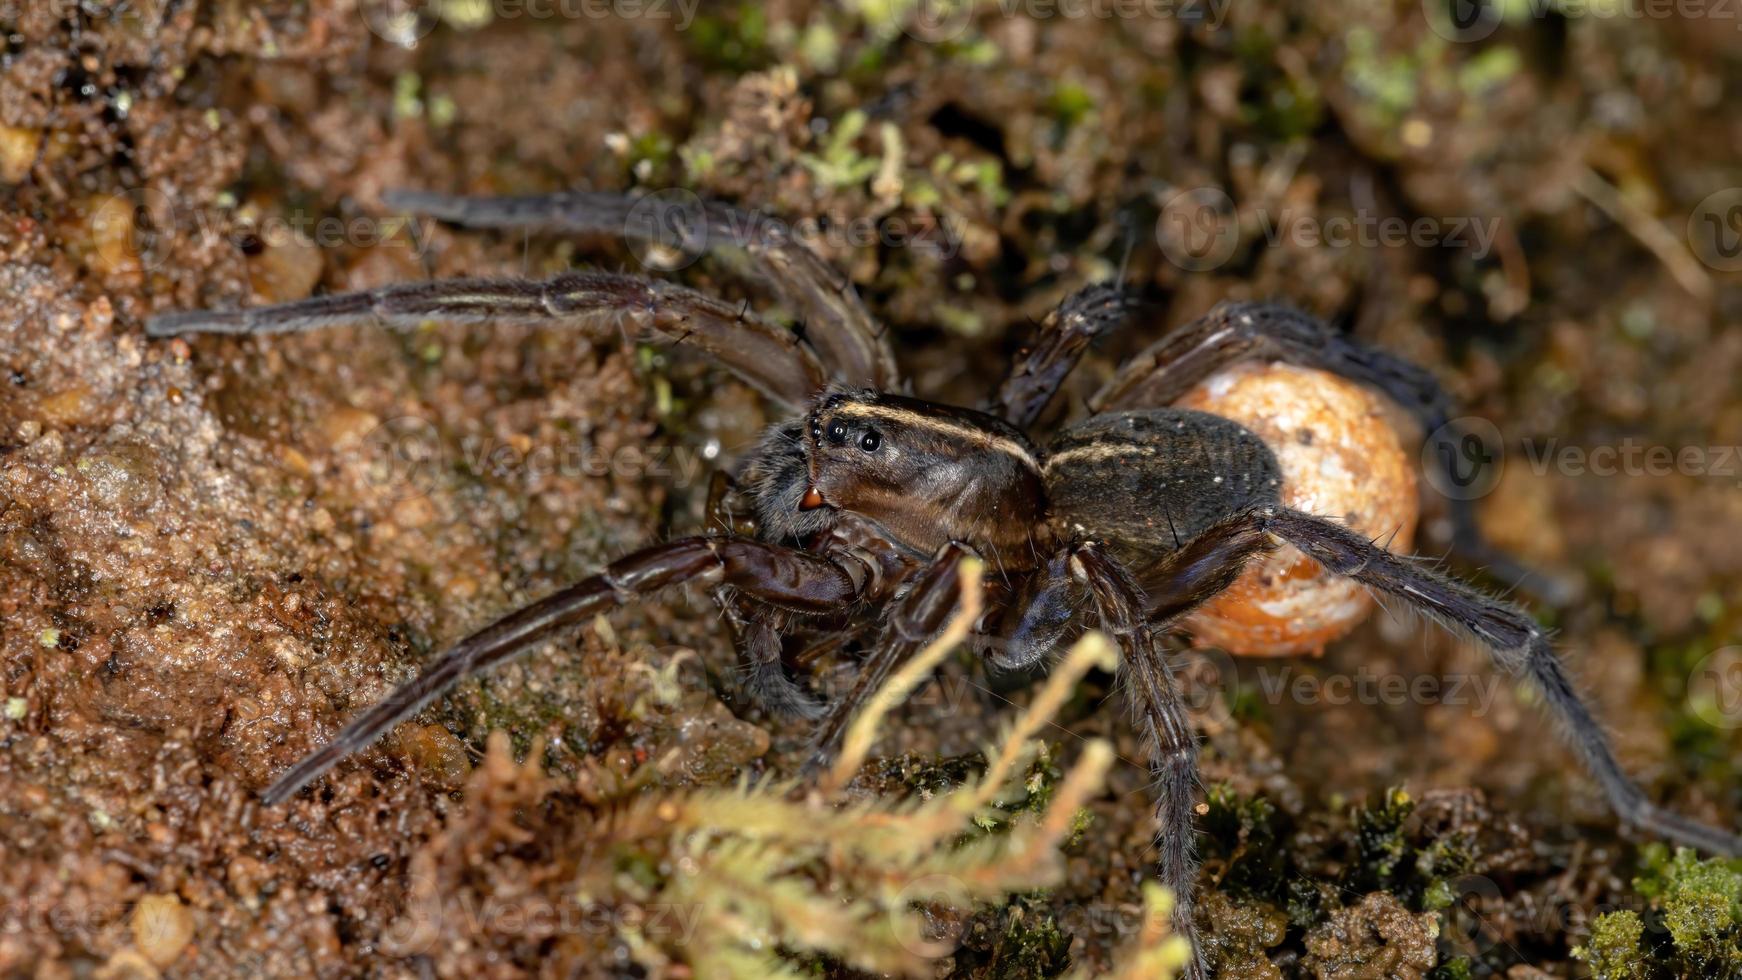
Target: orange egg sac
x,y
1341,459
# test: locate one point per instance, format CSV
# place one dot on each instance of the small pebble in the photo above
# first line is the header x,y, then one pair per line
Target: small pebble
x,y
162,928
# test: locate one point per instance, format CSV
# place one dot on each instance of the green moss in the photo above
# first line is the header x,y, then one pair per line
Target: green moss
x,y
1020,940
1385,81
1382,845
1702,907
731,39
1069,103
1244,832
650,154
1488,70
1393,855
407,95
1613,952
840,164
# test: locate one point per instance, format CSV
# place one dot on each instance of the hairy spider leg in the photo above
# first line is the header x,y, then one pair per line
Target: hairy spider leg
x,y
933,595
771,359
1064,336
765,678
785,577
1168,368
852,344
1165,725
1515,642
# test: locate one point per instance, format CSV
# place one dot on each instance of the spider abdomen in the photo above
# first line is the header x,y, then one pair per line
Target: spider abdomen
x,y
1146,481
1340,459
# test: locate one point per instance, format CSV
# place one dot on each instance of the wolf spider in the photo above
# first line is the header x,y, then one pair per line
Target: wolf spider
x,y
863,503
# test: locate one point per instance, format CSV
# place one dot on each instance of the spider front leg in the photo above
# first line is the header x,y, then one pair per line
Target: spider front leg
x,y
1514,641
785,577
759,650
836,321
915,618
1163,372
1064,336
1162,717
771,359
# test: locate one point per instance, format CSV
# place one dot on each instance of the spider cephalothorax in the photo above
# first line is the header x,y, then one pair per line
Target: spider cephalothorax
x,y
924,473
863,502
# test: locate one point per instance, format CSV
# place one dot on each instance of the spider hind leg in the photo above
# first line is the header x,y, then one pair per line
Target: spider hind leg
x,y
1518,645
1166,370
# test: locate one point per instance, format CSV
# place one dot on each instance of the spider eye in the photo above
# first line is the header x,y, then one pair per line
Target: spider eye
x,y
870,441
837,432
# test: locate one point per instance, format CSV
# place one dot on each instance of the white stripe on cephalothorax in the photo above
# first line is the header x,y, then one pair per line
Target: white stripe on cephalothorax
x,y
963,430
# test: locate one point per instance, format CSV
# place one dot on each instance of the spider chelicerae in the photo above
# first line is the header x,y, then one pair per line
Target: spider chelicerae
x,y
850,519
